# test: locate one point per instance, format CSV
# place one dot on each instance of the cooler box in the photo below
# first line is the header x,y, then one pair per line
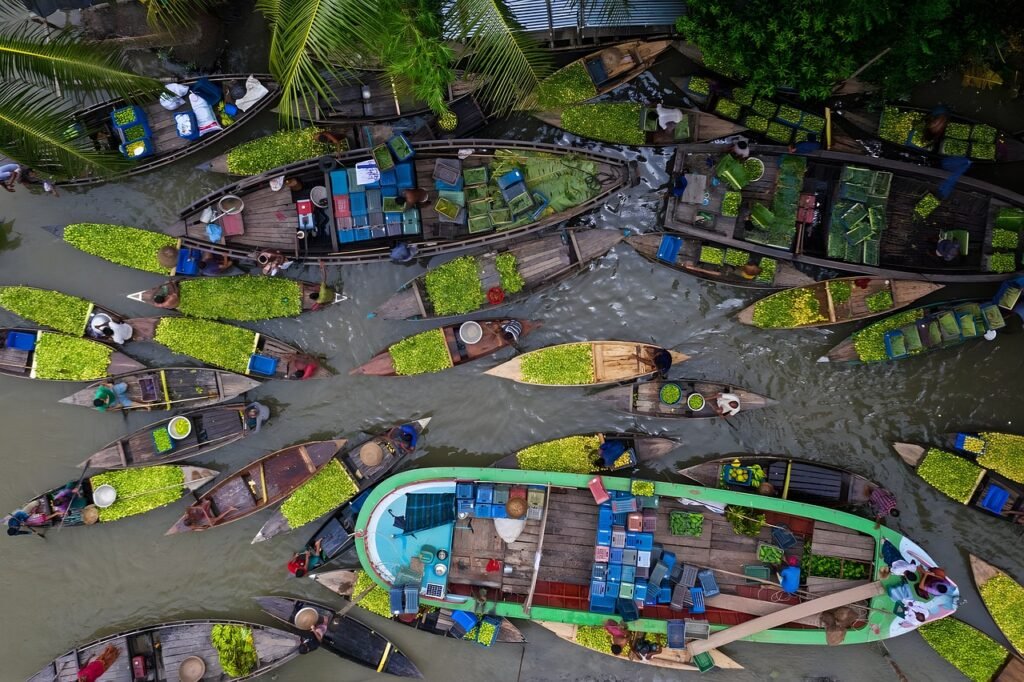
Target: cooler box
x,y
405,175
21,341
188,262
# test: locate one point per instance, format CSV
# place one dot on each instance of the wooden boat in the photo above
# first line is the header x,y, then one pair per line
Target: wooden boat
x,y
1007,619
832,309
968,483
193,478
390,450
638,447
612,66
258,486
791,478
336,535
540,261
493,340
55,315
990,445
698,126
269,220
346,637
548,574
430,620
897,245
613,361
165,648
171,388
16,361
212,428
95,122
867,345
967,648
644,398
684,254
239,288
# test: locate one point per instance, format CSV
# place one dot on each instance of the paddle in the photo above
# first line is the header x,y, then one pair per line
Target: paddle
x,y
354,601
75,492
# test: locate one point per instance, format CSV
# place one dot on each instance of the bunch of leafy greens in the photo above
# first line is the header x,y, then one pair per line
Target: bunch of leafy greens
x,y
568,364
791,308
120,244
950,474
140,490
571,455
1004,599
217,344
235,649
64,313
511,281
455,288
68,358
870,341
327,490
969,650
278,149
615,122
244,298
422,353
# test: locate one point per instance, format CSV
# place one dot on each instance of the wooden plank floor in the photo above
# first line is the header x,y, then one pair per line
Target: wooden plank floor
x,y
472,549
832,540
178,643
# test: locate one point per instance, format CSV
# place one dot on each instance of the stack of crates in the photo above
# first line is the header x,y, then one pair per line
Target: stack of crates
x,y
623,556
365,212
858,217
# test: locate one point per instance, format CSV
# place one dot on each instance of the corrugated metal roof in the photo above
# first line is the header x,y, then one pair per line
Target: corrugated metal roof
x,y
545,15
541,15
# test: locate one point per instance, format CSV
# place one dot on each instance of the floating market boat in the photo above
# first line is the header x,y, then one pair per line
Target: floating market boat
x,y
170,388
63,312
496,278
432,620
345,636
961,479
114,495
205,430
257,486
918,331
585,363
438,349
972,652
595,74
688,574
503,190
582,454
1000,452
834,302
679,398
791,478
336,535
701,258
170,651
634,124
351,471
1002,596
37,354
244,297
873,216
147,133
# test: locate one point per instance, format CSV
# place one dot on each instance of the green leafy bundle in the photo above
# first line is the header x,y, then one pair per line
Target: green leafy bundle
x,y
769,554
745,520
568,85
879,301
895,124
455,287
1002,262
870,341
327,490
140,490
1004,454
736,258
731,205
615,122
1001,239
642,488
377,601
235,649
68,358
422,353
214,343
728,108
597,638
569,364
244,298
950,474
120,244
712,255
926,205
483,632
686,524
68,314
511,281
839,290
279,149
768,267
787,309
969,650
1004,599
572,455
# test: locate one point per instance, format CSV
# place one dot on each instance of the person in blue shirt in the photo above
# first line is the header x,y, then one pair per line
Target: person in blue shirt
x,y
809,145
790,575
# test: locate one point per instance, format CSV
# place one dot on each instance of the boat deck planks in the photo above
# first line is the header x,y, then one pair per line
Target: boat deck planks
x,y
832,540
472,549
220,426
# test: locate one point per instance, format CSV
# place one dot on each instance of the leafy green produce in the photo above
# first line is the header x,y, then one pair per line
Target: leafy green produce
x,y
728,108
455,287
670,393
572,455
1001,239
972,652
951,147
162,440
214,343
695,402
765,107
1004,454
745,520
756,122
895,124
790,308
879,301
983,151
120,244
789,114
422,353
68,314
839,290
699,85
1003,261
235,649
244,298
68,358
754,168
1004,599
712,255
768,267
731,207
569,85
779,132
280,149
511,281
926,205
642,488
686,524
958,131
597,638
769,554
140,490
124,116
617,122
812,123
567,364
744,96
870,341
377,601
950,474
483,633
983,133
327,490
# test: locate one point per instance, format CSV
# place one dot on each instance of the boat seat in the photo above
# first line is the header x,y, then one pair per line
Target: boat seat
x,y
895,344
961,237
668,251
232,224
993,316
808,480
949,328
994,499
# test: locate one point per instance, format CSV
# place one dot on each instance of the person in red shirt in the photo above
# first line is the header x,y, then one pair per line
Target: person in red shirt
x,y
95,668
302,366
619,633
303,562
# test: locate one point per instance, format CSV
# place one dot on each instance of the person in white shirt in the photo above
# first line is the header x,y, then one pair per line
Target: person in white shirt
x,y
104,328
726,404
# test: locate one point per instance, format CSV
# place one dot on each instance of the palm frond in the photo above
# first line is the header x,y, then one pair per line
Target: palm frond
x,y
34,129
415,55
174,15
28,53
511,62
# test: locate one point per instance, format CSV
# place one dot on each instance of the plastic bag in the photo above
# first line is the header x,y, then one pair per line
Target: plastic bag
x,y
170,102
204,115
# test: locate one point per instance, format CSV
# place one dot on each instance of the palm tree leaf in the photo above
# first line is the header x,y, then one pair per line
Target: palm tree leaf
x,y
174,15
496,48
33,125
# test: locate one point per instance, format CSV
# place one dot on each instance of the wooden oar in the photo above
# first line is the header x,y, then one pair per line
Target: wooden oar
x,y
74,494
354,601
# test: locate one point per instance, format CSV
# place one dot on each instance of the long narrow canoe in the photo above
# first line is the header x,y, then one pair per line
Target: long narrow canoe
x,y
168,645
576,453
834,302
171,388
346,637
142,490
629,123
212,428
168,147
1002,596
363,465
791,478
966,482
645,399
66,313
336,535
584,363
1000,452
684,254
37,354
258,486
979,657
539,261
455,349
243,297
431,620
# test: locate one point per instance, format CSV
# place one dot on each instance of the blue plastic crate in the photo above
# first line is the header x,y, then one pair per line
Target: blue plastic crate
x,y
628,573
640,590
599,571
664,594
388,177
484,510
346,236
465,620
360,221
510,178
629,557
631,539
188,262
443,186
604,516
604,536
619,519
598,588
262,364
464,491
602,604
669,248
626,590
624,505
191,125
136,113
651,596
669,558
353,186
498,511
394,229
339,182
23,341
358,204
402,142
628,609
362,234
466,506
405,175
485,492
411,228
389,190
645,541
615,555
614,572
378,231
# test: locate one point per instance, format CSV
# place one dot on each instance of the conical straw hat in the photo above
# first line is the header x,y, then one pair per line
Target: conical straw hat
x,y
192,669
371,454
90,515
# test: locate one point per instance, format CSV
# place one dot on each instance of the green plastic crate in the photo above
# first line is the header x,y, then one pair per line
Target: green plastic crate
x,y
476,175
479,223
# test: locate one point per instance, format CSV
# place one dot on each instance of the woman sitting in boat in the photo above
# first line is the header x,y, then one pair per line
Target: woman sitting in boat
x,y
104,328
96,667
110,395
255,415
303,562
167,296
619,633
725,404
302,366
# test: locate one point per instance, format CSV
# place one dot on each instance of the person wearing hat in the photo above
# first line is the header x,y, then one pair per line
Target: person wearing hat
x,y
789,576
255,415
167,256
302,366
305,561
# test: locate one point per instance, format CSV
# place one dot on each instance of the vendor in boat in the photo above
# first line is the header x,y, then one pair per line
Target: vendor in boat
x,y
809,145
645,648
9,174
662,362
303,562
95,668
29,516
789,577
413,197
750,271
212,265
403,253
948,250
104,328
109,394
255,414
167,296
725,404
610,451
740,150
302,366
406,437
619,633
273,262
324,296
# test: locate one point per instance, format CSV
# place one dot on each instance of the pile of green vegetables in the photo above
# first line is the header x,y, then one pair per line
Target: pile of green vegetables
x,y
597,638
769,554
571,455
377,600
570,364
642,488
68,358
217,344
685,524
834,567
972,652
1004,599
244,298
839,290
1004,454
327,490
279,149
140,490
745,520
508,272
68,314
422,353
455,287
483,632
235,649
120,244
569,85
791,308
618,122
879,301
950,474
870,341
895,124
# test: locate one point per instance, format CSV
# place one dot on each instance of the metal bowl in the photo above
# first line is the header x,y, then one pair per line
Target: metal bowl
x,y
192,669
104,496
173,430
471,332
